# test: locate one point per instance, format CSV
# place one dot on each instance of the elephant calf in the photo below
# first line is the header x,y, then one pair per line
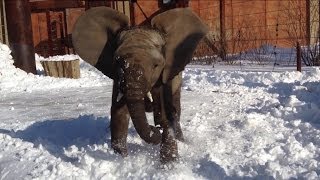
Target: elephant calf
x,y
146,64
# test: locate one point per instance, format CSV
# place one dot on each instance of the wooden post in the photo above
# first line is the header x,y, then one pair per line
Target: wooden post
x,y
319,22
298,57
3,25
18,15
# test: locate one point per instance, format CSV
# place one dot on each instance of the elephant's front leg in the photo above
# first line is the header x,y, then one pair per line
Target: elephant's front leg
x,y
171,110
156,105
172,101
176,112
119,123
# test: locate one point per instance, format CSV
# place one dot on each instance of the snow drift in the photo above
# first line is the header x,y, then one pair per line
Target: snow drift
x,y
238,125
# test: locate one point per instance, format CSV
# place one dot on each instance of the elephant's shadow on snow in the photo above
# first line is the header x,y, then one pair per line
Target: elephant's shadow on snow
x,y
57,136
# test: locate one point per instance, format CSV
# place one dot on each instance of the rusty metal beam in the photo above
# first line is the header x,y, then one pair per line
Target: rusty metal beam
x,y
19,25
49,4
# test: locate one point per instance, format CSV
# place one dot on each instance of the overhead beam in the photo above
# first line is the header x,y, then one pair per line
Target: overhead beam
x,y
49,4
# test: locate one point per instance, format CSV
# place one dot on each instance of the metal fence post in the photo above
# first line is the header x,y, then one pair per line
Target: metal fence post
x,y
298,57
222,7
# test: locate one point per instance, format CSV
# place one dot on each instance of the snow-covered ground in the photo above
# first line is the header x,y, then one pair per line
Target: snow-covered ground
x,y
239,123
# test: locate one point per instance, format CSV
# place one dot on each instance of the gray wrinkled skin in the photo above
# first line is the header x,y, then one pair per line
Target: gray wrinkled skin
x,y
146,64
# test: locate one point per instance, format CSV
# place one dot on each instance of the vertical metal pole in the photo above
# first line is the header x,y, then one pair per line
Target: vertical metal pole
x,y
65,35
319,22
132,13
62,48
298,57
199,8
223,28
308,25
123,7
265,22
48,18
232,29
18,15
86,5
186,3
113,4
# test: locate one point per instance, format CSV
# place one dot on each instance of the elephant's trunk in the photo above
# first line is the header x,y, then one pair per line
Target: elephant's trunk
x,y
148,133
135,91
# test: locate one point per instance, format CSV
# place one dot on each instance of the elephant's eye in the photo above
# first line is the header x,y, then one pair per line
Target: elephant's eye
x,y
155,66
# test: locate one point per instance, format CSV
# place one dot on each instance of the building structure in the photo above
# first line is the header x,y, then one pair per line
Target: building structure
x,y
235,25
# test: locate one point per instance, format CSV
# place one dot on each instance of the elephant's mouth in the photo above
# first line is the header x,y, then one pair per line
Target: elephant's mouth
x,y
133,96
132,83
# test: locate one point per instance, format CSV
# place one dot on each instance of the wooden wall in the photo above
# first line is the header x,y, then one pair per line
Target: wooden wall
x,y
315,21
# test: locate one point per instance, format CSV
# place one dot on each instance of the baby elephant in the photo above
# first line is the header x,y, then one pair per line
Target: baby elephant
x,y
146,65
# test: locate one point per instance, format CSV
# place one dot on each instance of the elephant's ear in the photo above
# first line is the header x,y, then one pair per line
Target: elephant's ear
x,y
183,30
94,34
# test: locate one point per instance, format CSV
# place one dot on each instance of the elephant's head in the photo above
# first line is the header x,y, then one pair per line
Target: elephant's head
x,y
138,58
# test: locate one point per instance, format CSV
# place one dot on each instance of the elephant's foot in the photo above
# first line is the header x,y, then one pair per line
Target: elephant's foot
x,y
169,147
178,133
120,146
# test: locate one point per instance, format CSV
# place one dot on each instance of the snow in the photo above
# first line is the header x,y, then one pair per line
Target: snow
x,y
243,122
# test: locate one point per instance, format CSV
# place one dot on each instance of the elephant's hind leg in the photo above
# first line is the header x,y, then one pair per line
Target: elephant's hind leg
x,y
171,111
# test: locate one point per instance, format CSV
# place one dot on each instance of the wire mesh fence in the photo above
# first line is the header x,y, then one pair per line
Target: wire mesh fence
x,y
261,32
250,31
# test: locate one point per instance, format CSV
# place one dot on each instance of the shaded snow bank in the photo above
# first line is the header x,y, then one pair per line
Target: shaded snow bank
x,y
15,80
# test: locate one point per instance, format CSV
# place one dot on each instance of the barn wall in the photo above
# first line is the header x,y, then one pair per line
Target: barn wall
x,y
247,24
144,9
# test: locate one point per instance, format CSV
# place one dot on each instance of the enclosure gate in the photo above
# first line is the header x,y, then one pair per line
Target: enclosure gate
x,y
52,22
